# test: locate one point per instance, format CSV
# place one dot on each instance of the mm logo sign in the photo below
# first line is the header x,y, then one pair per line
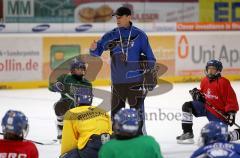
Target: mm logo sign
x,y
19,8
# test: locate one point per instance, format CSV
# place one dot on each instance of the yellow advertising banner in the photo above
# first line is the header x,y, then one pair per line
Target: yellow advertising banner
x,y
219,10
172,51
163,47
57,49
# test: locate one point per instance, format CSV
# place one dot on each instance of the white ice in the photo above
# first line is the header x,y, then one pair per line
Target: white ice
x,y
37,104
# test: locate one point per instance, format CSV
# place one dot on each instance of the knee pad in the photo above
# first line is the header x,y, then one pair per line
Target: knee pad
x,y
62,106
187,107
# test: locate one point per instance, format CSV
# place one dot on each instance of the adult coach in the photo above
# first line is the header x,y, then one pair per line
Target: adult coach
x,y
128,46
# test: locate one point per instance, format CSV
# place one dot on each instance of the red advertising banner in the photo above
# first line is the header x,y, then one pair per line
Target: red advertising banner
x,y
208,26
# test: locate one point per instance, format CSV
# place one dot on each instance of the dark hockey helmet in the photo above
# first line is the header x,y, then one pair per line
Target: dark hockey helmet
x,y
214,132
77,64
15,122
126,121
218,65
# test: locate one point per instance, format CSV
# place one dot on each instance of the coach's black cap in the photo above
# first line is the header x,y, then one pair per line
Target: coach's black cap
x,y
122,11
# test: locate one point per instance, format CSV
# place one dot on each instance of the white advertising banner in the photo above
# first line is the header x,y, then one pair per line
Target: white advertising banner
x,y
195,49
20,58
35,16
30,28
96,11
80,27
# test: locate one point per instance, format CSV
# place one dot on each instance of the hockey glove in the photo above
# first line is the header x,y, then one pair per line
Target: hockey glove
x,y
58,87
150,79
231,118
197,95
83,95
150,74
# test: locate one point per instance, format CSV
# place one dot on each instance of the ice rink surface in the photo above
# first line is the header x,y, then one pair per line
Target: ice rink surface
x,y
163,114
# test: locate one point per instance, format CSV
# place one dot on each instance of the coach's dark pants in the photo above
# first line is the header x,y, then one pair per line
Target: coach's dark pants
x,y
134,93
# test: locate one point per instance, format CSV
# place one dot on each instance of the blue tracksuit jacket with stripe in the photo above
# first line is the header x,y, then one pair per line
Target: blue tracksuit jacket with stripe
x,y
128,70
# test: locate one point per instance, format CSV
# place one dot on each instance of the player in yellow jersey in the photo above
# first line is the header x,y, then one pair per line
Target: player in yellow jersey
x,y
85,129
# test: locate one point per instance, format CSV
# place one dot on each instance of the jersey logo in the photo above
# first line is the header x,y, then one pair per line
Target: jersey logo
x,y
13,155
117,43
209,95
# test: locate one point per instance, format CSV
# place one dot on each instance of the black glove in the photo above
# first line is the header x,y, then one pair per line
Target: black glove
x,y
150,76
197,95
58,87
150,79
231,118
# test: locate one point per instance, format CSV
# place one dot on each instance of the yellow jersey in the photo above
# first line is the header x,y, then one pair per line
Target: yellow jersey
x,y
81,123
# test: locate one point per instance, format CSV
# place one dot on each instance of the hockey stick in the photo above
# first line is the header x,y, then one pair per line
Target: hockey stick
x,y
70,97
46,143
212,107
40,143
60,88
219,112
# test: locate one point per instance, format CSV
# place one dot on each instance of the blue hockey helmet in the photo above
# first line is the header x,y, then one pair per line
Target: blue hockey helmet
x,y
218,65
77,64
126,121
214,132
215,63
15,122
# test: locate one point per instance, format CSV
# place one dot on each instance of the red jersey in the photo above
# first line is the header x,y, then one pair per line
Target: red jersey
x,y
220,94
17,149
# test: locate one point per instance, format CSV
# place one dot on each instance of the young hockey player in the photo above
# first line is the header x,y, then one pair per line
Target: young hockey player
x,y
68,86
215,96
128,142
15,129
85,129
214,137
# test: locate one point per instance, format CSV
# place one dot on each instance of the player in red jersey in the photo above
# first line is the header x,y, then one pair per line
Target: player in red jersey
x,y
15,129
215,96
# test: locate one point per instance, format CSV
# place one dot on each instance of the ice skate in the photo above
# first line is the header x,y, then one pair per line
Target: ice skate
x,y
234,135
185,138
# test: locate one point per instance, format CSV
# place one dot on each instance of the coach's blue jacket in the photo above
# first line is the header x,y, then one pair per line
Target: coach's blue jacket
x,y
128,71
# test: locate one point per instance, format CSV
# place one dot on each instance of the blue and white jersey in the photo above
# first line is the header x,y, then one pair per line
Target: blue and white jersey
x,y
218,150
134,43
